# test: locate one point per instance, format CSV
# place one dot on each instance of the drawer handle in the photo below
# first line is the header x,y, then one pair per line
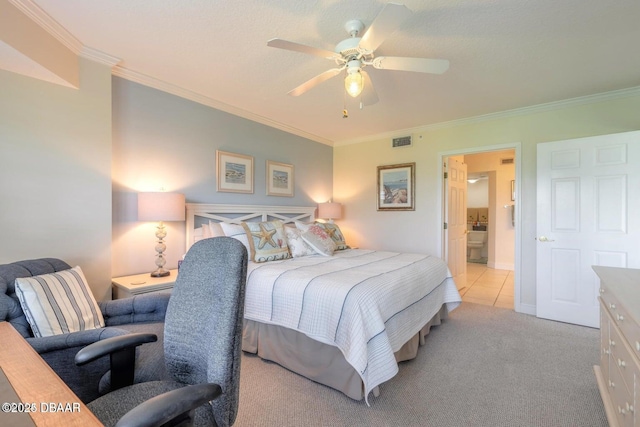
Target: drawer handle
x,y
637,346
606,351
612,343
612,384
620,317
621,363
601,291
621,410
629,407
612,306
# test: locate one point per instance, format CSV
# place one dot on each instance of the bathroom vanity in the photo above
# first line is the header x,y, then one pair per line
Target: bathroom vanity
x,y
618,374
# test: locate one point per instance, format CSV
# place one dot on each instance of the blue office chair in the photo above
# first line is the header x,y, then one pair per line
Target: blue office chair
x,y
202,347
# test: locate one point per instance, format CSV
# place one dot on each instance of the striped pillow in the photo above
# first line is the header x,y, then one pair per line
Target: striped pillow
x,y
58,303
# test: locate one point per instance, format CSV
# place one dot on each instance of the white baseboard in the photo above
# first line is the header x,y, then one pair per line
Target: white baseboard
x,y
526,309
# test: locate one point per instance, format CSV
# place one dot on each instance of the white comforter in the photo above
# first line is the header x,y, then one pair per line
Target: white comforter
x,y
366,303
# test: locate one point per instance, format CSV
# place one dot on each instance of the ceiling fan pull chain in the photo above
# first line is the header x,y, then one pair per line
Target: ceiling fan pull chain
x,y
345,112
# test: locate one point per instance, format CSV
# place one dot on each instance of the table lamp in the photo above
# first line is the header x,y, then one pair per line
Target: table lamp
x,y
330,211
161,207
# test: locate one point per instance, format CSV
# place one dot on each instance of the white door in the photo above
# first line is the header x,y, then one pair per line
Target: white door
x,y
588,198
456,188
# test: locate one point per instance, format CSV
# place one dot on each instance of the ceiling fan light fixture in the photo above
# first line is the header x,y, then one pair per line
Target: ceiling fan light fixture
x,y
354,82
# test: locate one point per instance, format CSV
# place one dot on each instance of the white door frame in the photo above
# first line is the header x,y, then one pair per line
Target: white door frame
x,y
517,146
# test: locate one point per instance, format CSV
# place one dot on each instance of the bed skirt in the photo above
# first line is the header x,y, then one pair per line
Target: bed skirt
x,y
320,362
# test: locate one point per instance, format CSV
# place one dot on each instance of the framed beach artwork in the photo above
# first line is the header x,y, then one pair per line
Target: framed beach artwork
x,y
234,172
396,187
279,179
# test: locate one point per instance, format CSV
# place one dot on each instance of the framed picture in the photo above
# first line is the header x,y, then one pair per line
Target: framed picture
x,y
279,179
234,172
396,187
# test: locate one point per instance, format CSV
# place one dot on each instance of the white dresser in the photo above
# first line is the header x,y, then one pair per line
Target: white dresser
x,y
619,372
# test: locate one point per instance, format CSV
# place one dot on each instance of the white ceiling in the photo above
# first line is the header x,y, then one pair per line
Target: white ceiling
x,y
504,54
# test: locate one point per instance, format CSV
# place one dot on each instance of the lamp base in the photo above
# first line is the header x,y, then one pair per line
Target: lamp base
x,y
161,272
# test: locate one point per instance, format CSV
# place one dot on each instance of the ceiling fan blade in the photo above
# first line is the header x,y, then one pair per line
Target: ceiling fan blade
x,y
419,65
385,24
369,95
297,47
315,81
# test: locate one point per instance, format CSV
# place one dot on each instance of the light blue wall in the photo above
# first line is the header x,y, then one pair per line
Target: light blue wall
x,y
164,141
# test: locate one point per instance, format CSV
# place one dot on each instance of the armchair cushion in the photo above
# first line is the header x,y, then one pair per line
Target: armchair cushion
x,y
138,309
58,303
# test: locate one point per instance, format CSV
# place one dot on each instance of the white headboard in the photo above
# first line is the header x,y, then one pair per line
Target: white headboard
x,y
197,213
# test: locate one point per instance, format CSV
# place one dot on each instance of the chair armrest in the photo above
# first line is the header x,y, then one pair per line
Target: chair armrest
x,y
175,404
140,308
110,345
122,351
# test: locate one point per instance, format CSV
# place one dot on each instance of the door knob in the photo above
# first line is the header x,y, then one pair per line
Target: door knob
x,y
545,239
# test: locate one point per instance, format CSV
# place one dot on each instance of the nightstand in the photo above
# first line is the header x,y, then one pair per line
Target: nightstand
x,y
128,286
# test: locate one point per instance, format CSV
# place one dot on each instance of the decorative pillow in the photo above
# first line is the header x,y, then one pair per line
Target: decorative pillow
x,y
297,246
58,303
319,240
267,241
303,226
334,232
206,231
237,232
215,229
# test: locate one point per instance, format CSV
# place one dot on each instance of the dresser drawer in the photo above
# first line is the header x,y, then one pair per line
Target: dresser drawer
x,y
620,316
612,305
621,359
621,398
604,343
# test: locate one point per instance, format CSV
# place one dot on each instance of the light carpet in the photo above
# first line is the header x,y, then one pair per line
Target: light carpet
x,y
483,366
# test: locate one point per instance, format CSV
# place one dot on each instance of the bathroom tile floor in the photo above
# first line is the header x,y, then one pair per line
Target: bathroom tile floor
x,y
483,285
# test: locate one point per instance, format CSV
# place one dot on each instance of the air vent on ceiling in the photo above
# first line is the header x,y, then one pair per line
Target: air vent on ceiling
x,y
506,161
404,141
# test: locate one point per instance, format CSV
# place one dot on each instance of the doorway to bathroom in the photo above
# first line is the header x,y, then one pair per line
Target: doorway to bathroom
x,y
491,258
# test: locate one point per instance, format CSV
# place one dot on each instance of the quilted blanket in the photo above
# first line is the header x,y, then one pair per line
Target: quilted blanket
x,y
366,303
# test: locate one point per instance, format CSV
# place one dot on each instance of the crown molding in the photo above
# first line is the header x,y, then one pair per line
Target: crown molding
x,y
47,23
152,82
51,26
99,57
538,108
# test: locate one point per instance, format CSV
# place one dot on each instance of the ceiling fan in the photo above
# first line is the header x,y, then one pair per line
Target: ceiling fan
x,y
355,53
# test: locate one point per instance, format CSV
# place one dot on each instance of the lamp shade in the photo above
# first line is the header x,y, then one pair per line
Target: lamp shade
x,y
330,210
161,207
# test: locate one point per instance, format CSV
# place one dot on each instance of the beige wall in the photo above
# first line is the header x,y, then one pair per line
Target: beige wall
x,y
420,230
55,172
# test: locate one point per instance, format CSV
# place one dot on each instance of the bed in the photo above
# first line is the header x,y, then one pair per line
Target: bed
x,y
345,320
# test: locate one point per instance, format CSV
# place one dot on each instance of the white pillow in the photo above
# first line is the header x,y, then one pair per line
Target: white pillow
x,y
58,303
303,226
206,231
297,246
215,229
237,232
319,240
